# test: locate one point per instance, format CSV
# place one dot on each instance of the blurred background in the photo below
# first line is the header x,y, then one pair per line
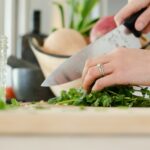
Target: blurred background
x,y
27,23
16,17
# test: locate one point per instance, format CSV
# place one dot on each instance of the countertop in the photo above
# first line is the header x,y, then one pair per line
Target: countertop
x,y
74,120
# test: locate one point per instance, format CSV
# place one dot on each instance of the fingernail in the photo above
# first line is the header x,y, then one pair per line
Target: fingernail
x,y
140,26
94,88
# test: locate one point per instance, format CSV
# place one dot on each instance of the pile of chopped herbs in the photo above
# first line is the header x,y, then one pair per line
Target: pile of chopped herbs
x,y
116,96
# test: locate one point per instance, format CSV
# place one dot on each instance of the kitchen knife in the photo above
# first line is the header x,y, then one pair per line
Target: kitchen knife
x,y
123,36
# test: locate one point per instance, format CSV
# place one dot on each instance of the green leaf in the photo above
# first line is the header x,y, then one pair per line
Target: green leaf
x,y
61,9
91,22
87,8
97,102
2,105
88,5
112,96
87,27
53,100
106,101
74,9
14,102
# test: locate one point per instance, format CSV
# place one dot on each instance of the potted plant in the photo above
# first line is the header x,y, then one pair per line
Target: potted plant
x,y
80,18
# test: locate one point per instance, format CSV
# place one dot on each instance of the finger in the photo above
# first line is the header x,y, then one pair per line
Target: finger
x,y
93,62
147,29
143,20
104,82
130,9
94,73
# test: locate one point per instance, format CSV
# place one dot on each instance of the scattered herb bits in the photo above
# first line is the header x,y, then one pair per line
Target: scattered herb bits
x,y
13,104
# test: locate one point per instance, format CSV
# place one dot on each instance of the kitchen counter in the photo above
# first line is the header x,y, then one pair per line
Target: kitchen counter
x,y
73,120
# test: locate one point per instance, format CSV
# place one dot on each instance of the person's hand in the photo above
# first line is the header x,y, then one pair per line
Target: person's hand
x,y
133,6
121,67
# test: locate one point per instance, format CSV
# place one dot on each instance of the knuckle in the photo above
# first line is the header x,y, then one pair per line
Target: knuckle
x,y
120,52
118,65
91,72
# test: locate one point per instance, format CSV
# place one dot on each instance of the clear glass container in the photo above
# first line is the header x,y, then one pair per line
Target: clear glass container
x,y
3,66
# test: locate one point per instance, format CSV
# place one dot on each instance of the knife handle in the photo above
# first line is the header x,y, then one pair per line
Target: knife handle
x,y
130,22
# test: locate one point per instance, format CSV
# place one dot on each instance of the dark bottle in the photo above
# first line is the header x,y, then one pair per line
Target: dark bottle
x,y
26,52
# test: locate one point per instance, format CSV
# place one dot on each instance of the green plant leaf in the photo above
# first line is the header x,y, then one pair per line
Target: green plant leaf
x,y
87,8
87,27
74,8
88,5
80,14
61,9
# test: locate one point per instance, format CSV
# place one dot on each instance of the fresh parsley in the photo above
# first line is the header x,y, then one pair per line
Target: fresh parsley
x,y
117,96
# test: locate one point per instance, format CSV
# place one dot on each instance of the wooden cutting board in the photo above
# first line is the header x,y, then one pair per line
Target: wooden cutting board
x,y
73,120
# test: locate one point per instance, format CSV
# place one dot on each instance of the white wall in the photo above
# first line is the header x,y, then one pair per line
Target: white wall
x,y
1,16
26,8
45,7
111,7
10,27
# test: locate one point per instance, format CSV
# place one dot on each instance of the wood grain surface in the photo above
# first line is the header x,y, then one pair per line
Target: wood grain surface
x,y
73,120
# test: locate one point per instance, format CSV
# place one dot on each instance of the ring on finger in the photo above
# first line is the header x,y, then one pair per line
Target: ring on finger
x,y
101,69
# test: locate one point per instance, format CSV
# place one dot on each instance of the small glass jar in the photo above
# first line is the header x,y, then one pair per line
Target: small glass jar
x,y
3,66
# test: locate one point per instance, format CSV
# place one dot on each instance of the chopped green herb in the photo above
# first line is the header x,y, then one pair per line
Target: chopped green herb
x,y
82,107
13,104
2,105
117,96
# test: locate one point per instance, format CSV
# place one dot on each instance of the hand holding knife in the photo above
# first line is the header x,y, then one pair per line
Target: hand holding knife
x,y
72,68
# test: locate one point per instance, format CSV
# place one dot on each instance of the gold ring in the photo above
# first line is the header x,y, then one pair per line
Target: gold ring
x,y
101,69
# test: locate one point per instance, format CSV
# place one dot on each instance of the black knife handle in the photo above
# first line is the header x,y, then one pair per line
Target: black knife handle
x,y
130,22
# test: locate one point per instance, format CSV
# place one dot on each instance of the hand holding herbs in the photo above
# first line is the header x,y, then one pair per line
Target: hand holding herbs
x,y
110,97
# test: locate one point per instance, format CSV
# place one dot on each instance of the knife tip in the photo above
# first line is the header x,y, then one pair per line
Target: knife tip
x,y
44,84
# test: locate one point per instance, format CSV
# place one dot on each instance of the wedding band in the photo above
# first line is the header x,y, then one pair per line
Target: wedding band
x,y
101,69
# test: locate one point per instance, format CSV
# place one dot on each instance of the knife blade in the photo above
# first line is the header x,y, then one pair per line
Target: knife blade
x,y
72,68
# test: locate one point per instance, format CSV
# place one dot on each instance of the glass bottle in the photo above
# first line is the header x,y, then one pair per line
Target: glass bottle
x,y
3,66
